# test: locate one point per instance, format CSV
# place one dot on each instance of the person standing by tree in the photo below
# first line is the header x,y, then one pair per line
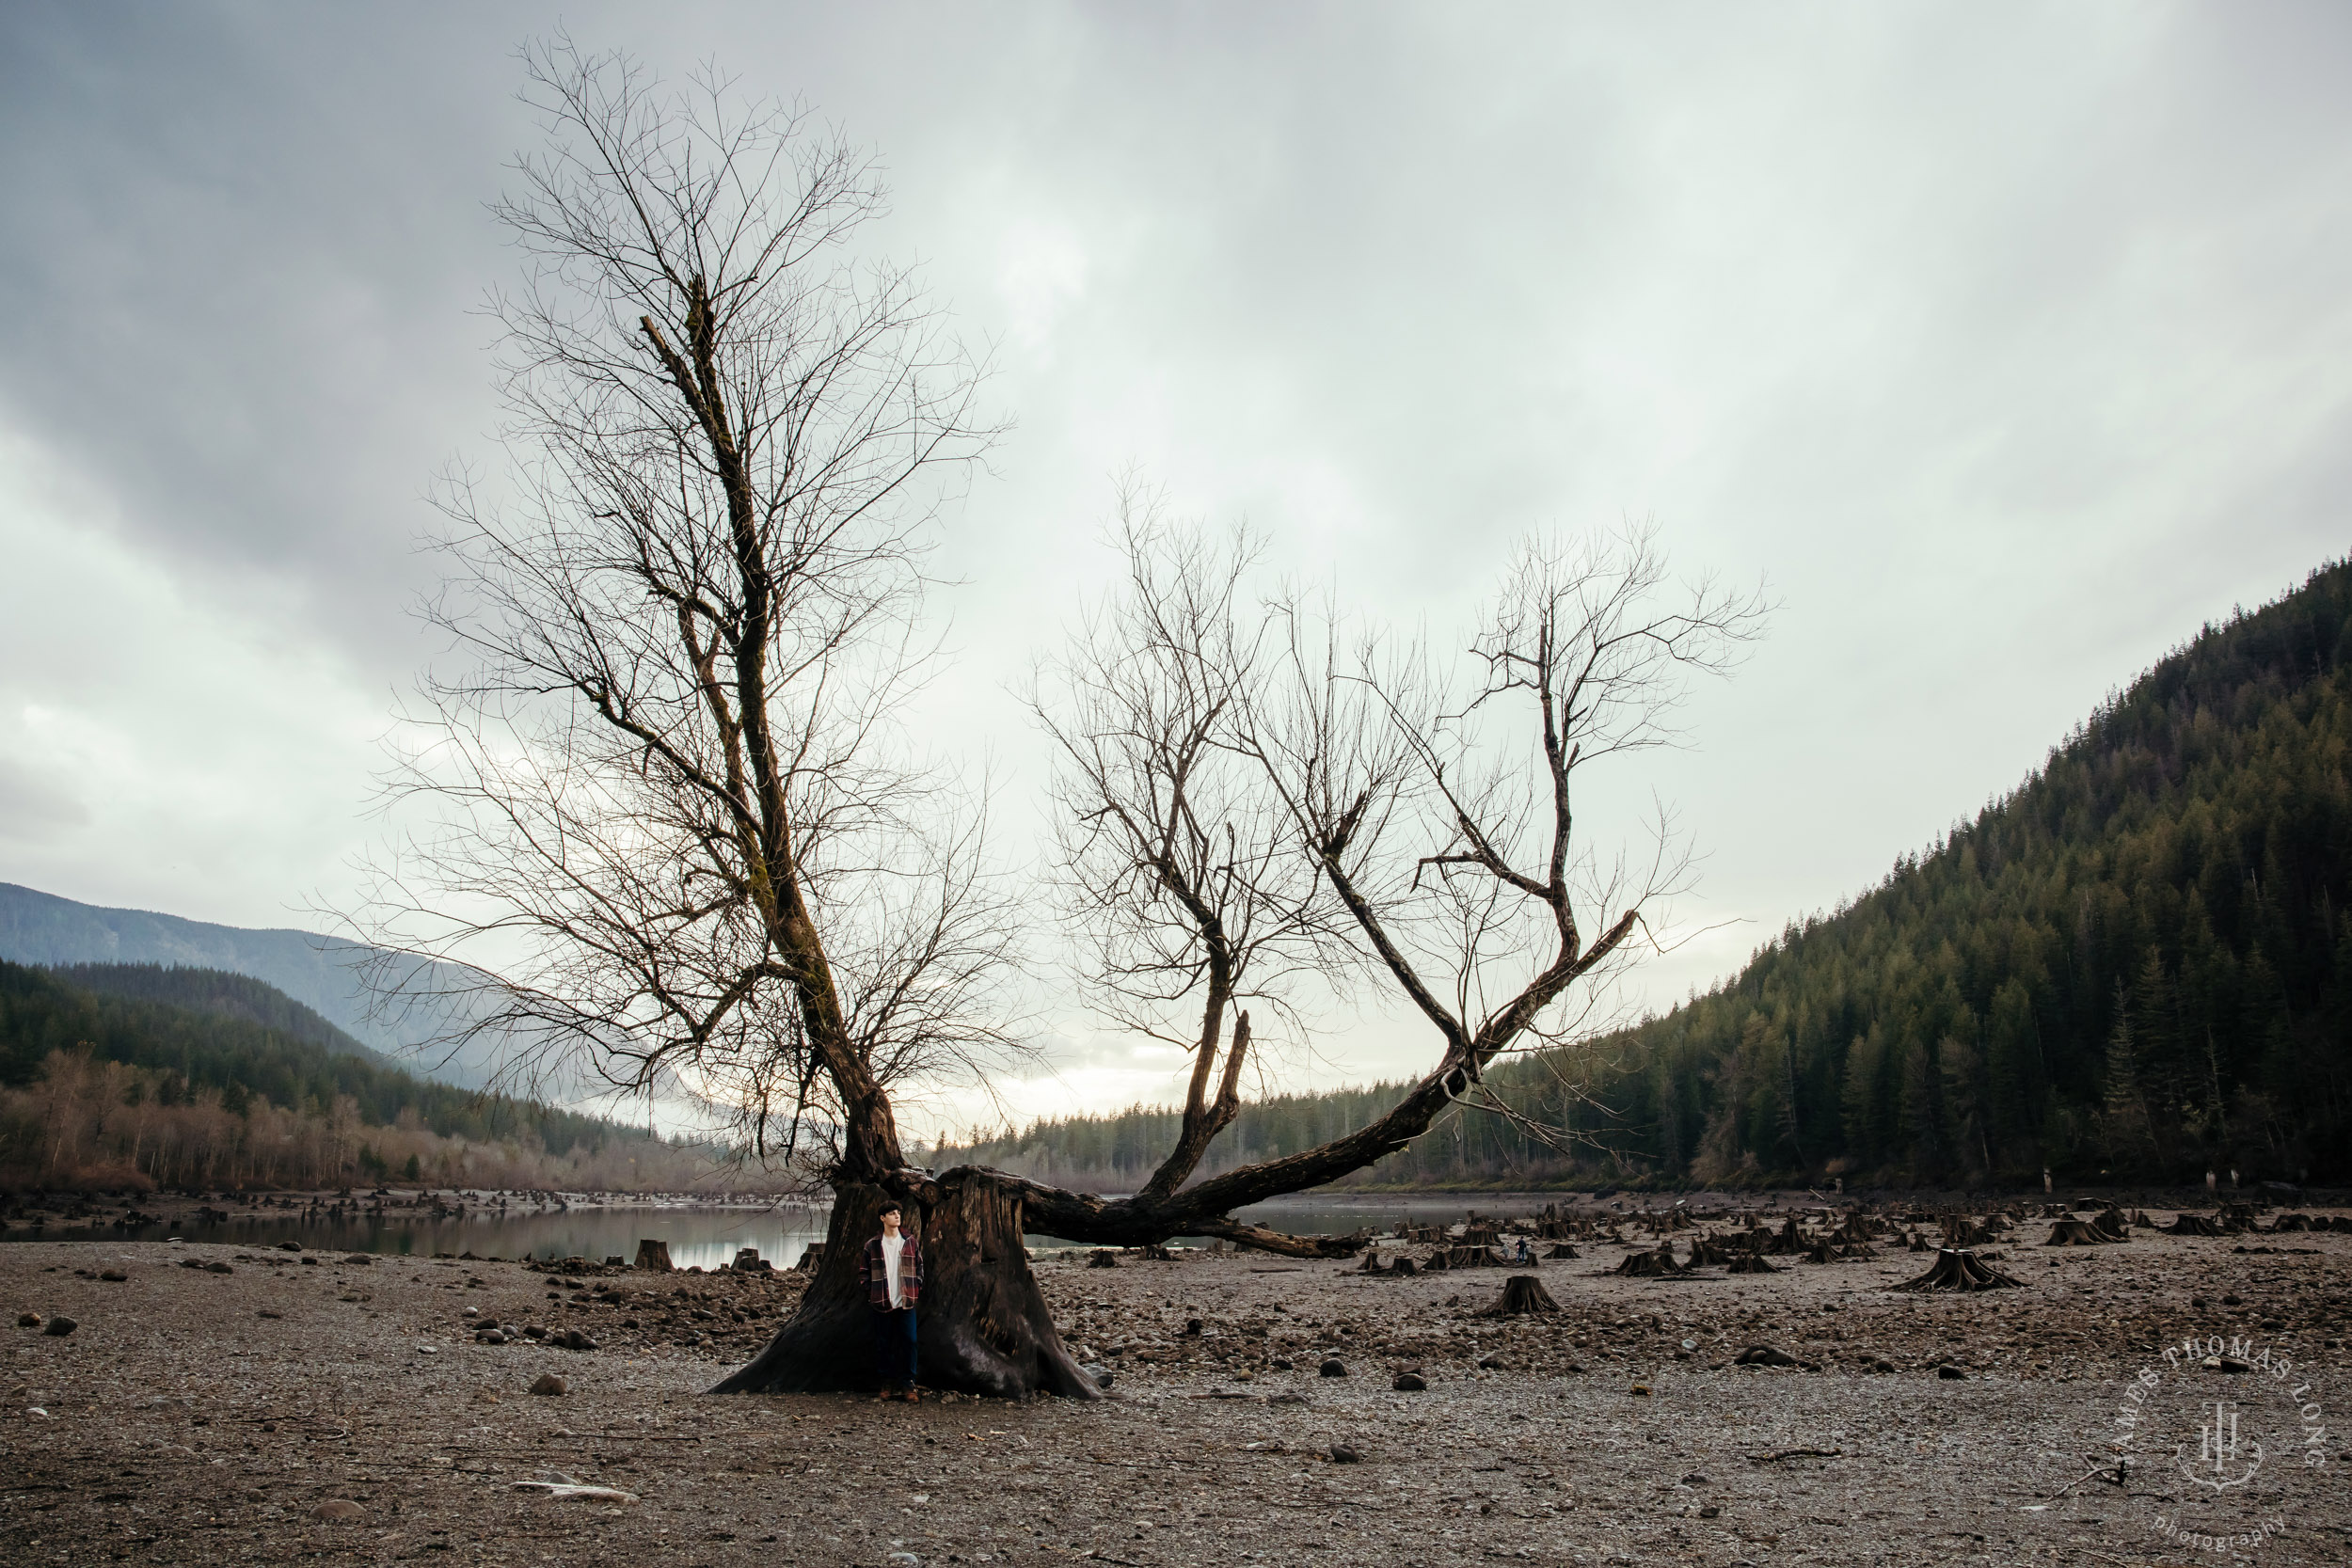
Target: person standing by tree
x,y
893,1273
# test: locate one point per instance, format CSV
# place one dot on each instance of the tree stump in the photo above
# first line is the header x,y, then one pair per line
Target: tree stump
x,y
981,1326
1749,1262
1957,1269
1563,1251
1522,1294
2191,1224
1103,1258
654,1255
1656,1264
2075,1233
1401,1267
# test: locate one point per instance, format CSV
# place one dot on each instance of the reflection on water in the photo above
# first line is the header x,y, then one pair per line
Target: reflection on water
x,y
707,1238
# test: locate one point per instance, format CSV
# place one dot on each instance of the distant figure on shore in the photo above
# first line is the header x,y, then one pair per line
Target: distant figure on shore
x,y
2212,1182
2045,1181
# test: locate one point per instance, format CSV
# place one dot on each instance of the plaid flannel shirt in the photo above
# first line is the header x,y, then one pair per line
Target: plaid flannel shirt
x,y
877,1272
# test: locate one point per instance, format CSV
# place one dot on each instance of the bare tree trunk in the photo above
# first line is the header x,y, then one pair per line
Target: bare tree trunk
x,y
982,1324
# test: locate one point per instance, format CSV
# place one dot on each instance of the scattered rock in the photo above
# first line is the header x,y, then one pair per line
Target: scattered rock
x,y
1343,1454
1333,1367
219,1268
338,1511
59,1326
548,1383
114,1277
363,1260
290,1246
1765,1355
1641,1390
1949,1372
1100,1373
266,1312
1409,1383
28,1319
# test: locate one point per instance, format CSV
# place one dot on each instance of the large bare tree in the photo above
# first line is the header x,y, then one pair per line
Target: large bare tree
x,y
674,836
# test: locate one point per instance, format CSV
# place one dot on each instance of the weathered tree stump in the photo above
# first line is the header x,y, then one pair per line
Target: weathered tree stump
x,y
982,1325
1706,1253
811,1256
1749,1262
2077,1233
1103,1258
1563,1251
1957,1269
1523,1294
654,1255
2113,1224
1655,1264
2192,1225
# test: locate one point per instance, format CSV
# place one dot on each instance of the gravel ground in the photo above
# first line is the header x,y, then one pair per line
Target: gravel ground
x,y
195,1416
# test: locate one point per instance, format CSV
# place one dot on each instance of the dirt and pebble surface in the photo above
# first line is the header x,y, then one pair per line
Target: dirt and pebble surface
x,y
282,1407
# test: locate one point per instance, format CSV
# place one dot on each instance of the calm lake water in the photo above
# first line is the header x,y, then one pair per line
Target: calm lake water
x,y
698,1236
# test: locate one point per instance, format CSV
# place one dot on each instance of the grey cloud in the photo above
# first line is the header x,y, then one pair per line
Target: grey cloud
x,y
2012,340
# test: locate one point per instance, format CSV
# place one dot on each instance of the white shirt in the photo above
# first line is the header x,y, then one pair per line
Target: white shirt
x,y
892,1246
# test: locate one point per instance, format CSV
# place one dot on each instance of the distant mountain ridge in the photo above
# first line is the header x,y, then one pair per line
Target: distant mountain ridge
x,y
317,972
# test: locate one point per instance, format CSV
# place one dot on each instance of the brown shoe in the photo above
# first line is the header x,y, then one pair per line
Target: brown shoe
x,y
914,1396
885,1394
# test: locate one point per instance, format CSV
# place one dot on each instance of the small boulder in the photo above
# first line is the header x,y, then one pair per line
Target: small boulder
x,y
113,1276
548,1383
59,1326
219,1268
1949,1372
338,1511
1641,1390
1765,1355
28,1319
1409,1383
1343,1454
290,1246
1333,1367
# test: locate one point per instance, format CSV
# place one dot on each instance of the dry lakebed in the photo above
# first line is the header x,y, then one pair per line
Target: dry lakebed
x,y
214,1404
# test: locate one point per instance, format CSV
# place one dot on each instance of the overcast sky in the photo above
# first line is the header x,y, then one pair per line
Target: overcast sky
x,y
2011,342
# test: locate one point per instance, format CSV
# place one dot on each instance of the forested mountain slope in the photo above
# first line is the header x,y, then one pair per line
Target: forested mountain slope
x,y
2137,965
199,1030
318,971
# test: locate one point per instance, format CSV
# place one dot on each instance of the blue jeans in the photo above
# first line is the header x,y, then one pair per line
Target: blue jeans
x,y
894,1347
